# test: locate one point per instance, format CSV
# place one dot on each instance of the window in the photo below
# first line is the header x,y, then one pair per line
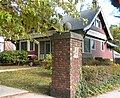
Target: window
x,y
110,50
102,46
97,23
93,44
24,46
31,46
48,47
42,47
45,48
87,45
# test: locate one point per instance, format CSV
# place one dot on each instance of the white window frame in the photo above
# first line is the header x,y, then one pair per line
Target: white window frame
x,y
90,45
102,44
20,44
44,40
28,45
33,46
97,23
93,43
110,50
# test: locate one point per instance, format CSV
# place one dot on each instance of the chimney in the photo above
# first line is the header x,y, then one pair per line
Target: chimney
x,y
95,4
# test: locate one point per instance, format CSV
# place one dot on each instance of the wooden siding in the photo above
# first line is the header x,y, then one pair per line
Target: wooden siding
x,y
105,54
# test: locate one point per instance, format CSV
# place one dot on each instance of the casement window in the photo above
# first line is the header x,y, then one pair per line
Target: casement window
x,y
27,45
93,44
87,45
32,46
102,46
45,48
97,23
24,45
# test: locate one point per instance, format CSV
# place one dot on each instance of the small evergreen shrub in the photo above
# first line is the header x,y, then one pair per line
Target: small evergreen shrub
x,y
13,57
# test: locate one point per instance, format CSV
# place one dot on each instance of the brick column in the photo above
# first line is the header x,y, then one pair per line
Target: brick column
x,y
67,56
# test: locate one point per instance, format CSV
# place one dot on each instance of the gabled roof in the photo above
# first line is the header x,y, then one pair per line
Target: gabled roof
x,y
79,24
90,15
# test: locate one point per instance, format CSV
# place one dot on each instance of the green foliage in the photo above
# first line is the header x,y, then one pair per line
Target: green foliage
x,y
98,79
115,30
31,16
48,61
13,57
96,62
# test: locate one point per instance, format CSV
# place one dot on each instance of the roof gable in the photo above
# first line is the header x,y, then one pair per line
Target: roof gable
x,y
91,15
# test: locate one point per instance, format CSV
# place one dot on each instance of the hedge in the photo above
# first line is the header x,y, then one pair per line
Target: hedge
x,y
98,79
96,61
13,57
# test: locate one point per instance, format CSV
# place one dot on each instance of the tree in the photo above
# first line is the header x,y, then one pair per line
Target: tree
x,y
116,3
22,17
115,30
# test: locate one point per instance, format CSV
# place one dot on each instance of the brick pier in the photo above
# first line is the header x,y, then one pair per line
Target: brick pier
x,y
67,60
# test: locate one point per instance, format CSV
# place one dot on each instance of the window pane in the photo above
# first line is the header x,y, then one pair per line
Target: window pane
x,y
87,45
92,44
97,23
31,45
24,46
42,47
48,47
102,45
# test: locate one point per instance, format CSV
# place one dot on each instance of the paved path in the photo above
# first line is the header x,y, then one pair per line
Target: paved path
x,y
111,94
31,95
9,92
5,70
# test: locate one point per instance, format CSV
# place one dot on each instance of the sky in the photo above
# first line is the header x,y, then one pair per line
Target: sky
x,y
109,11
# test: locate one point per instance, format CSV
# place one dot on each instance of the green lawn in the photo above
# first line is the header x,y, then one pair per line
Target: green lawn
x,y
35,80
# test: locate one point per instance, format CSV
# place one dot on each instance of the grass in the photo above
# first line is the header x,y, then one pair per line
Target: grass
x,y
12,67
34,80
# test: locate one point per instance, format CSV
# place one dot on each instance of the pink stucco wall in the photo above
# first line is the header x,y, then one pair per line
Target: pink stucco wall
x,y
105,54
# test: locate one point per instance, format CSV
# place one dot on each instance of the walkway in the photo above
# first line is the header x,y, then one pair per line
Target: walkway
x,y
5,70
9,92
111,94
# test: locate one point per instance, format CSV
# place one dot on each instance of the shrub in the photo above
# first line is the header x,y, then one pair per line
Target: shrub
x,y
97,61
117,60
98,79
48,61
87,61
13,57
107,62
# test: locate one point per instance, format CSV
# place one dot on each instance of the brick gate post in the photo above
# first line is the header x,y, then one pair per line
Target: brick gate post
x,y
67,60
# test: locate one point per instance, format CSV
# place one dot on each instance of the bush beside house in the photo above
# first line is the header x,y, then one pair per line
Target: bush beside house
x,y
13,57
96,61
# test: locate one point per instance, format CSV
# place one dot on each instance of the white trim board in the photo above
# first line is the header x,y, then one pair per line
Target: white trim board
x,y
97,34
